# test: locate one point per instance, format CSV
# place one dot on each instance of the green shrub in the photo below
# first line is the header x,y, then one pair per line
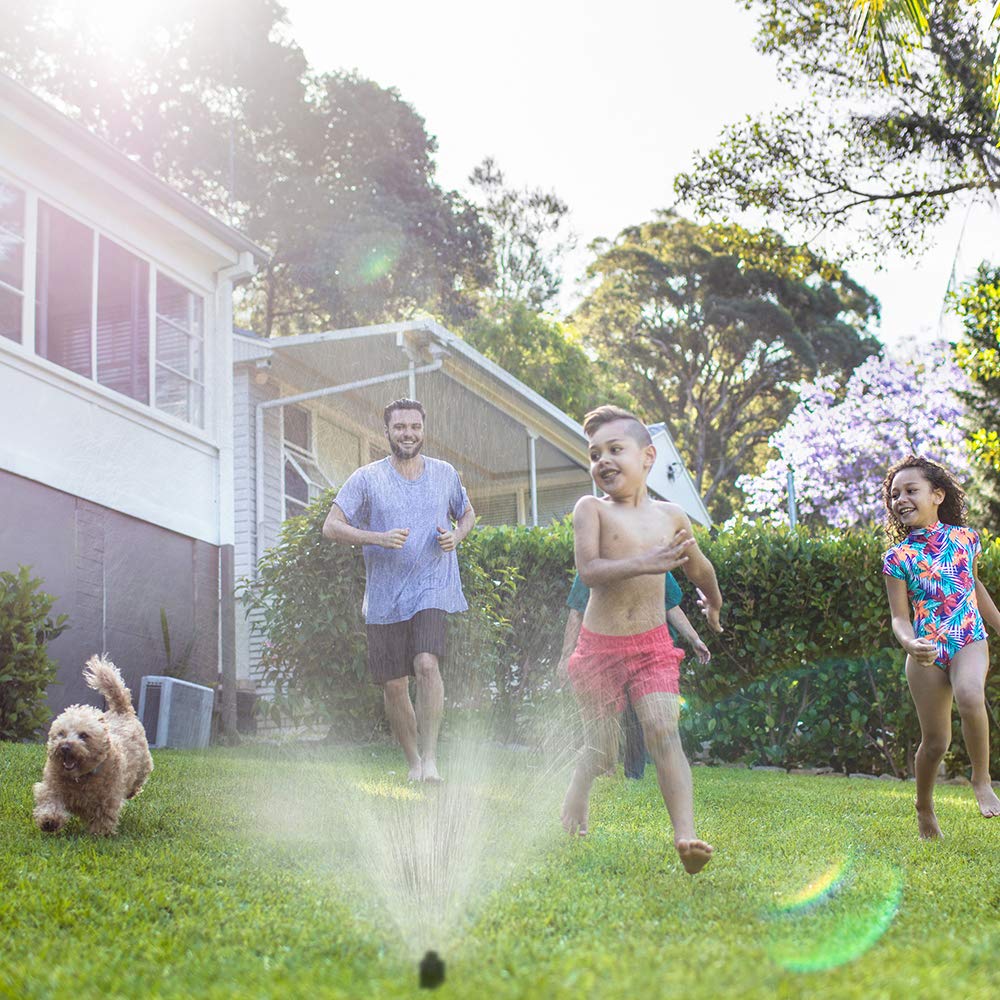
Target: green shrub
x,y
26,670
806,671
853,715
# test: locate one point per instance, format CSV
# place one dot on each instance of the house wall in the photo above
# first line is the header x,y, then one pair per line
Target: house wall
x,y
76,437
112,574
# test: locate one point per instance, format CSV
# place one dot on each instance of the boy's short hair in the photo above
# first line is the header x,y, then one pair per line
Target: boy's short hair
x,y
608,414
403,404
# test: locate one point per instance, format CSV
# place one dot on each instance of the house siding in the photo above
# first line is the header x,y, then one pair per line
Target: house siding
x,y
111,574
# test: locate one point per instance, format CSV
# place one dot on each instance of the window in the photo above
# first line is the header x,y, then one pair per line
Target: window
x,y
107,340
180,351
298,428
304,481
122,321
11,261
64,275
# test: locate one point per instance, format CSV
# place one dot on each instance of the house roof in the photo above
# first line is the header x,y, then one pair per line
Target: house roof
x,y
479,415
43,115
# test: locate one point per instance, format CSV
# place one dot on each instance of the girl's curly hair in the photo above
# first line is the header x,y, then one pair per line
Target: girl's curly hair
x,y
953,509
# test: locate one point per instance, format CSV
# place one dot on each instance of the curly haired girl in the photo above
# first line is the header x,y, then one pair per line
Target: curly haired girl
x,y
932,564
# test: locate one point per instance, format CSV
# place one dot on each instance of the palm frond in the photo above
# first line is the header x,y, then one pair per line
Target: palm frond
x,y
886,31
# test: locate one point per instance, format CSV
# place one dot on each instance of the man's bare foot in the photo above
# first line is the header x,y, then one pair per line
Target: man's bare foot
x,y
430,772
575,810
928,825
989,804
416,772
694,854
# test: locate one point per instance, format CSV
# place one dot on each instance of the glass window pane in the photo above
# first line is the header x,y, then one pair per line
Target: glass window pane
x,y
62,309
182,307
179,396
10,315
180,346
297,426
175,348
122,321
11,236
296,488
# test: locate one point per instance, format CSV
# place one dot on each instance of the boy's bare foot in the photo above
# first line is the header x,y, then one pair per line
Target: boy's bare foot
x,y
416,772
430,774
575,810
694,854
928,825
989,804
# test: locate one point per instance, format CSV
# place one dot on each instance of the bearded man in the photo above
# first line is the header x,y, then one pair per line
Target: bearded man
x,y
409,513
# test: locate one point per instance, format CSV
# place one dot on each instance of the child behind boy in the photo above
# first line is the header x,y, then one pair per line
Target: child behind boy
x,y
625,543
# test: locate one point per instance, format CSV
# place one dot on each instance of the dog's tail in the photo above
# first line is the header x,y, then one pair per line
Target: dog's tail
x,y
102,675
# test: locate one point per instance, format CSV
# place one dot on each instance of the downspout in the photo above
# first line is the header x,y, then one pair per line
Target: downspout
x,y
533,477
300,397
245,267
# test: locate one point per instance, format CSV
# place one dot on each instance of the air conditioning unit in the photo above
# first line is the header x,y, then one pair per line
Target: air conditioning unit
x,y
175,713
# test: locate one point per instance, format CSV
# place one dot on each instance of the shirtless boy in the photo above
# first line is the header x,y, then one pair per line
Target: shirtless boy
x,y
625,543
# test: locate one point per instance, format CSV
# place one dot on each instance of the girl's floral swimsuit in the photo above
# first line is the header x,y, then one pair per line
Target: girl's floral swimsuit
x,y
936,564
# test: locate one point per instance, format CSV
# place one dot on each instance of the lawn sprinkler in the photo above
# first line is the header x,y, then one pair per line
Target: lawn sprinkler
x,y
431,971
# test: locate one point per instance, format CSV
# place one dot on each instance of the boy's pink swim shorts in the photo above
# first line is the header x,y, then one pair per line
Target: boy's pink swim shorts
x,y
606,668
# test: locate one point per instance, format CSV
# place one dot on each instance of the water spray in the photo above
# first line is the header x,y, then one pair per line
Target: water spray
x,y
431,971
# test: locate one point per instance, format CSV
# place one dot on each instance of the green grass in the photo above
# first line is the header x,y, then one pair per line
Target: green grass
x,y
222,884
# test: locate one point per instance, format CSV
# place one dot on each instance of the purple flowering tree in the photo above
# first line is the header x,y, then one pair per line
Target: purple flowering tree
x,y
839,443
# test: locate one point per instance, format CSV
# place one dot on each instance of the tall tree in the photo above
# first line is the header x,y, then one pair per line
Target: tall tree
x,y
528,239
978,352
883,161
547,356
332,174
712,326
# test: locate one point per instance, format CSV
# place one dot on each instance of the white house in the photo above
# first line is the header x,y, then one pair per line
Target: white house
x,y
116,354
308,412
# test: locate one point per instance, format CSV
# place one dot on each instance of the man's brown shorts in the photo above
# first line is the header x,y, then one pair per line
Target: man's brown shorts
x,y
392,648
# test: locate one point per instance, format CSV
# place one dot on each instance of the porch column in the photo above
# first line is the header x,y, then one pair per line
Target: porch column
x,y
533,478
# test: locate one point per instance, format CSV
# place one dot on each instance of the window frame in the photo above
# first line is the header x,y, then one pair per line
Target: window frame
x,y
203,428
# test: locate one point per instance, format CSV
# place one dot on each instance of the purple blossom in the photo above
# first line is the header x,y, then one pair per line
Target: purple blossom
x,y
840,442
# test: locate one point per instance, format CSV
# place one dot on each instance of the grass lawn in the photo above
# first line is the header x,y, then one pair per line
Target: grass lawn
x,y
242,873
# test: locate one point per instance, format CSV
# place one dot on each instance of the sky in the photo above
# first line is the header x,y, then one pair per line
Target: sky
x,y
604,104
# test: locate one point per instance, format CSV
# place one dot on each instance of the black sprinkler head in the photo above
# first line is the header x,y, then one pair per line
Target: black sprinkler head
x,y
431,971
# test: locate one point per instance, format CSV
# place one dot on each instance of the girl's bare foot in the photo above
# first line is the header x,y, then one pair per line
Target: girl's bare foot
x,y
575,810
694,854
989,804
928,824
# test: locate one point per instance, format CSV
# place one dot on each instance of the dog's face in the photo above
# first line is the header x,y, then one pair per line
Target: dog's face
x,y
78,740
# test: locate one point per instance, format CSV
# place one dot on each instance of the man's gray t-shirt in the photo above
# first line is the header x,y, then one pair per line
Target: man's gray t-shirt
x,y
401,582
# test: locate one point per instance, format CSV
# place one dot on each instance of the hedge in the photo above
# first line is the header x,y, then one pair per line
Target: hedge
x,y
806,671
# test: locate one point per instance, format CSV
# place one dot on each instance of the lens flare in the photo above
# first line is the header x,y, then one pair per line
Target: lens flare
x,y
837,916
815,891
377,263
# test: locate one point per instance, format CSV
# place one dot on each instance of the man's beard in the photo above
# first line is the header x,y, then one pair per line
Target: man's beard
x,y
403,451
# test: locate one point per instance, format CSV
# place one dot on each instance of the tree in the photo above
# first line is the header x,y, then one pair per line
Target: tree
x,y
883,161
711,327
548,357
978,353
332,174
527,243
887,30
840,442
376,238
